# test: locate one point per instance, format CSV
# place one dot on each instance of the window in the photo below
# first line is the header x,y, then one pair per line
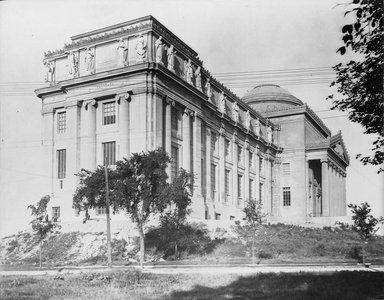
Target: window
x,y
109,113
61,163
101,211
240,187
261,167
213,143
261,192
251,190
55,213
203,137
61,122
203,175
231,218
227,176
213,181
226,149
251,160
217,216
286,196
240,155
174,162
175,122
286,169
109,153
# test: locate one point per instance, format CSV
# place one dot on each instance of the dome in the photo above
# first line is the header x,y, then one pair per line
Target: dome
x,y
270,97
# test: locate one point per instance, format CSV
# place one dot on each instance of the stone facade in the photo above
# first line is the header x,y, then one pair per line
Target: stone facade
x,y
135,86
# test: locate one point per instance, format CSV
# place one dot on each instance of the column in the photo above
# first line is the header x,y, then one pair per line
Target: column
x,y
246,174
88,135
167,142
208,163
221,169
186,134
325,188
49,145
257,178
195,145
124,136
235,173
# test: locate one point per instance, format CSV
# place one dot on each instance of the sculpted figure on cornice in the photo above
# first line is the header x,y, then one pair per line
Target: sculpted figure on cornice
x,y
257,127
269,134
50,75
141,48
189,71
159,50
247,120
171,58
198,78
208,89
122,53
235,112
73,64
222,102
90,60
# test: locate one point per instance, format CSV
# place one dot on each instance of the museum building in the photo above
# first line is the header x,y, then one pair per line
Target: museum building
x,y
136,86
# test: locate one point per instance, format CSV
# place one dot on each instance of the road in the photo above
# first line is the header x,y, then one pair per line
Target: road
x,y
201,269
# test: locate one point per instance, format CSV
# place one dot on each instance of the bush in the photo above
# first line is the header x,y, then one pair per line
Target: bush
x,y
264,255
118,248
356,252
12,246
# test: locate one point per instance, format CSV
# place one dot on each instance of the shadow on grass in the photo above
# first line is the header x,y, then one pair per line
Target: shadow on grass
x,y
340,285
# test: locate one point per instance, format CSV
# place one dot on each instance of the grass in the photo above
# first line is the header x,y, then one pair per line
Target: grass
x,y
136,285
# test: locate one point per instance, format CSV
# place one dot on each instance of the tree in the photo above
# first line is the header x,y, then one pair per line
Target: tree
x,y
139,185
173,221
363,222
41,223
254,220
360,82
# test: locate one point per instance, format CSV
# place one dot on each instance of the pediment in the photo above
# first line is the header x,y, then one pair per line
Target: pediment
x,y
338,146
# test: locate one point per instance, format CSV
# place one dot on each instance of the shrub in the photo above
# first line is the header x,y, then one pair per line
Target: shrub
x,y
356,252
12,246
118,248
264,255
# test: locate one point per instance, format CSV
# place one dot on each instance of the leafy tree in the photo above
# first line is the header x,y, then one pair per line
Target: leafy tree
x,y
363,222
254,220
173,221
360,81
41,223
140,182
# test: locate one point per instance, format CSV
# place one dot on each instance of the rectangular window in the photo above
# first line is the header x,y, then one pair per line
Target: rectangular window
x,y
217,216
61,122
261,167
109,153
213,181
213,143
286,169
240,187
261,192
109,113
227,176
61,163
231,218
203,175
251,160
240,155
174,162
101,211
55,213
175,122
227,149
286,196
251,190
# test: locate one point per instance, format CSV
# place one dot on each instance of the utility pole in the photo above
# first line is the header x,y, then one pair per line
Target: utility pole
x,y
109,251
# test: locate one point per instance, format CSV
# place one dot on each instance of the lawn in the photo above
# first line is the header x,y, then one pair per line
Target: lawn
x,y
136,285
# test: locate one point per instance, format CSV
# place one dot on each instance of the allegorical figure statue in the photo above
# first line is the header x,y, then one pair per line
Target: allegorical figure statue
x,y
208,89
269,134
141,48
171,58
90,60
189,71
222,103
73,65
235,112
49,77
247,120
198,78
159,50
122,53
257,127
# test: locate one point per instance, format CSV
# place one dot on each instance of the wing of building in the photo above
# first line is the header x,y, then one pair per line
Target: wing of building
x,y
135,86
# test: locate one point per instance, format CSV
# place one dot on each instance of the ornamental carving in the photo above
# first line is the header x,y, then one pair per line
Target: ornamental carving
x,y
171,58
122,53
189,72
90,60
141,49
198,78
159,50
73,64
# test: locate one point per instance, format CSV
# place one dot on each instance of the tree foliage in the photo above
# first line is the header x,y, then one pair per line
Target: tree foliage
x,y
41,224
360,81
363,222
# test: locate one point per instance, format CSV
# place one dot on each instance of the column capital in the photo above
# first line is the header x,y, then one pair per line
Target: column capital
x,y
89,102
169,101
125,96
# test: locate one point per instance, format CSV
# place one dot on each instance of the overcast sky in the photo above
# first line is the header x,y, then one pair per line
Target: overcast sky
x,y
230,36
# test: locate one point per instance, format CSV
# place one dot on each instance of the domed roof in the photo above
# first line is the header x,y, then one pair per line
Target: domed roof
x,y
271,93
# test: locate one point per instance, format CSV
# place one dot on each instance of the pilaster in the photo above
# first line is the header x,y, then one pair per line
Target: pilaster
x,y
325,188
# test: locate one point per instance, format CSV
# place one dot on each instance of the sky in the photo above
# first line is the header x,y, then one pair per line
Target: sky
x,y
229,36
